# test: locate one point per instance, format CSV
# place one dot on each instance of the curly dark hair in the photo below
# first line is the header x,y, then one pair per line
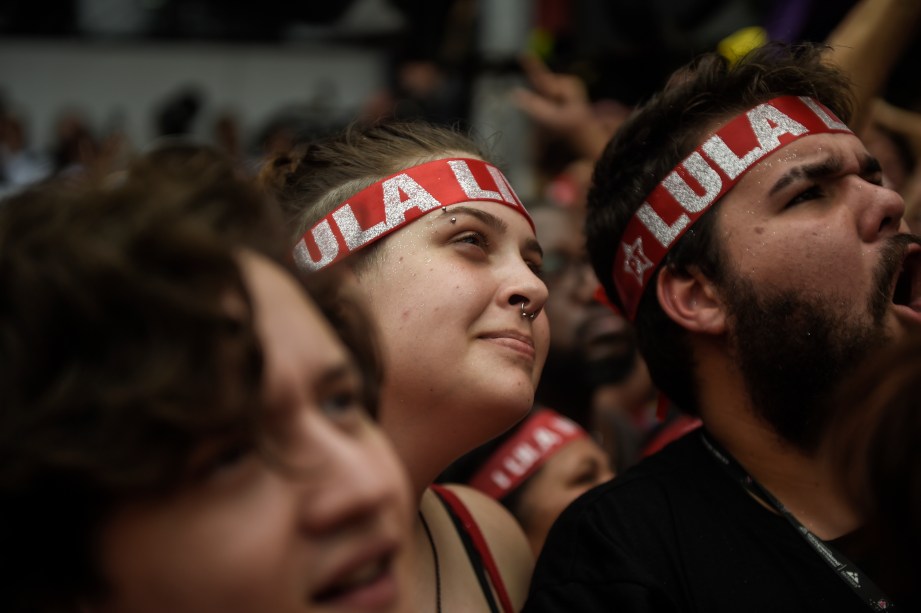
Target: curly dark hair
x,y
662,132
119,354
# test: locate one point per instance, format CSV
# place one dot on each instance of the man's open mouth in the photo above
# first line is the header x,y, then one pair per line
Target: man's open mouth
x,y
907,291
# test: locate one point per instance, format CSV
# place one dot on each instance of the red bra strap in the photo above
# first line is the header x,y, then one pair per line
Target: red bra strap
x,y
479,542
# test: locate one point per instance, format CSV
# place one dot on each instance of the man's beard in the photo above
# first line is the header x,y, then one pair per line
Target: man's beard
x,y
794,350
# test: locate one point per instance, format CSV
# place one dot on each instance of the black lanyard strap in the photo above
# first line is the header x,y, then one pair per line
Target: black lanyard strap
x,y
849,572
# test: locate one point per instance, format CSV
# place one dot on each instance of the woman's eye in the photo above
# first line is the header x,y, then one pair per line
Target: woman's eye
x,y
808,194
474,238
343,403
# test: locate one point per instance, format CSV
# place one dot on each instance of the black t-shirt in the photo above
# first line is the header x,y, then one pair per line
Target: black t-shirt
x,y
677,533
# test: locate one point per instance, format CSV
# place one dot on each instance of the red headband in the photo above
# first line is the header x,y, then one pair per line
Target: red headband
x,y
397,200
703,178
541,435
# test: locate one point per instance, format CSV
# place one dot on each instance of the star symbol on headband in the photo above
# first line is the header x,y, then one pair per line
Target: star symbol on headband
x,y
635,261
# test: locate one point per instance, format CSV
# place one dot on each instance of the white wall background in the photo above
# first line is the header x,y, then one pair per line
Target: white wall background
x,y
125,82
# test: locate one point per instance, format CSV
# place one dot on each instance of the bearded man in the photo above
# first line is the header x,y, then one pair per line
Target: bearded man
x,y
745,230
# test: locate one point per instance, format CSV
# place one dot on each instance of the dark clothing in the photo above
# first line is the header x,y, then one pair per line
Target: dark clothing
x,y
677,533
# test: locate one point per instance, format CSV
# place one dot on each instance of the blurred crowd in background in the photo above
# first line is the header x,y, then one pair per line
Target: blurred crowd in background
x,y
558,78
576,69
436,54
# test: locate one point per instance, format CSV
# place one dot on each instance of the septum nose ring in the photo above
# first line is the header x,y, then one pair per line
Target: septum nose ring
x,y
525,314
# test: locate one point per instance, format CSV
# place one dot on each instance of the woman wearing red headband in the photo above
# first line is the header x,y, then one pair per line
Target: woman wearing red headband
x,y
445,255
535,470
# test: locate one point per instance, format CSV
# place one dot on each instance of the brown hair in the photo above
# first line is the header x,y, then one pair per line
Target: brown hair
x,y
660,134
120,355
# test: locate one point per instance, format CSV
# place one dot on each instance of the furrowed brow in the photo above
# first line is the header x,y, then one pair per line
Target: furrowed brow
x,y
820,170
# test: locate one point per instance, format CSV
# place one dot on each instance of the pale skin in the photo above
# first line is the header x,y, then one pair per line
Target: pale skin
x,y
331,534
813,216
461,366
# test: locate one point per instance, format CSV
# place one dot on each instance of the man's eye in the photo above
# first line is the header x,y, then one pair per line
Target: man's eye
x,y
808,194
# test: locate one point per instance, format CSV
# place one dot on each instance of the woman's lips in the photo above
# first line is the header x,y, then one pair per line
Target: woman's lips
x,y
366,582
513,340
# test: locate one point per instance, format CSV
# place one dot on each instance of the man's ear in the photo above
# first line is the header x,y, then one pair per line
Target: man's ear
x,y
691,300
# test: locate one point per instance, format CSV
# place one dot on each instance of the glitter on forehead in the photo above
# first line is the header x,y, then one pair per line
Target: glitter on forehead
x,y
705,176
387,205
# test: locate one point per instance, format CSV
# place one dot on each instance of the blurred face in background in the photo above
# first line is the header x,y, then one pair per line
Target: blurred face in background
x,y
571,471
582,330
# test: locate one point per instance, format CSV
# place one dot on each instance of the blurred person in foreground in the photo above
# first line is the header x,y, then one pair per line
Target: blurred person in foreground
x,y
182,430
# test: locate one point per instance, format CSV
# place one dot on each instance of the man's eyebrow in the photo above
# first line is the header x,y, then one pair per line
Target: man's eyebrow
x,y
826,168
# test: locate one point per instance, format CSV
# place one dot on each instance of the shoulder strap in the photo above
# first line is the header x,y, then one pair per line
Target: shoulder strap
x,y
476,547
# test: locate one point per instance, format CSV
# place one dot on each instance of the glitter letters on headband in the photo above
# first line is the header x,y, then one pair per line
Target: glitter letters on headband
x,y
703,178
542,435
397,200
